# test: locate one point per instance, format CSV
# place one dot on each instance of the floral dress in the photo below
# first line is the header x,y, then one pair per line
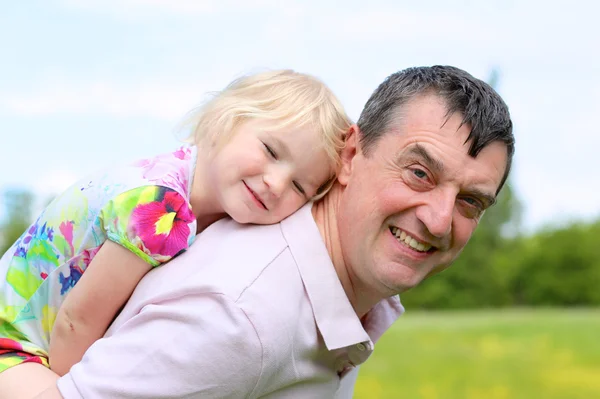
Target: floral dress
x,y
143,206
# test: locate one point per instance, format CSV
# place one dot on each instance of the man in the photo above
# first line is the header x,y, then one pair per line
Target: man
x,y
288,310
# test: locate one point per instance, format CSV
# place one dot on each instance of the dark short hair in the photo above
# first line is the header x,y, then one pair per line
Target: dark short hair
x,y
481,107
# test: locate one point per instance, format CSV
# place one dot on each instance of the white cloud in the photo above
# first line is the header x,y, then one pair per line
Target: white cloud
x,y
556,159
553,199
372,23
403,24
157,101
140,9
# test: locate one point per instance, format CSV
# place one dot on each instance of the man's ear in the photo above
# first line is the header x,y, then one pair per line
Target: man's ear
x,y
348,154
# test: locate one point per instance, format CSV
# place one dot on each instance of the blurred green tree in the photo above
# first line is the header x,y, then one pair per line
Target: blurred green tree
x,y
559,266
18,204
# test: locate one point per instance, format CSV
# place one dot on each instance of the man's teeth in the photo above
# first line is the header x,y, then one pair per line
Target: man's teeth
x,y
409,241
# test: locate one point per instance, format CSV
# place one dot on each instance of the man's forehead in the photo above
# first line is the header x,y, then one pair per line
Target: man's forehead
x,y
428,111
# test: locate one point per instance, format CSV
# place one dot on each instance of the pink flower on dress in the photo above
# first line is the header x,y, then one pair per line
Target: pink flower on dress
x,y
167,169
66,229
163,226
183,153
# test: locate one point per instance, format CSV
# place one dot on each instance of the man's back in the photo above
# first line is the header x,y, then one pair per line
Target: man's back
x,y
247,311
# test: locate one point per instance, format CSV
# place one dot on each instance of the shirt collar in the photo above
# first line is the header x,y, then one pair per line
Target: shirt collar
x,y
336,320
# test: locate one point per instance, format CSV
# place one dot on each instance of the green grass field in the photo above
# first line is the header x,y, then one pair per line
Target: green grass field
x,y
501,354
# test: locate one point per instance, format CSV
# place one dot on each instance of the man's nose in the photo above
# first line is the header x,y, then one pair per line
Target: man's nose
x,y
436,214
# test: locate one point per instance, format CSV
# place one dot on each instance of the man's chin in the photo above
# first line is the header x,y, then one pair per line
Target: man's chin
x,y
437,269
406,282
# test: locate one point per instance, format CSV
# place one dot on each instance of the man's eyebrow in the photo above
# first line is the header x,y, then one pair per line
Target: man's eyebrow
x,y
420,151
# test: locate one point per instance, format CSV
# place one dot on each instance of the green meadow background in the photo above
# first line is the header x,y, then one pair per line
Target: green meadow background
x,y
501,354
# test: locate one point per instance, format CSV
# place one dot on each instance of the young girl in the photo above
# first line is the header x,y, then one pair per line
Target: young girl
x,y
258,151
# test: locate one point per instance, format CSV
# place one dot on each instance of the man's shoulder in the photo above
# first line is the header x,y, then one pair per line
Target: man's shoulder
x,y
254,266
226,258
238,247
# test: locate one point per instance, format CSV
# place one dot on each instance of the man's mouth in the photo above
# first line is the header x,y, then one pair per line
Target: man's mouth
x,y
409,241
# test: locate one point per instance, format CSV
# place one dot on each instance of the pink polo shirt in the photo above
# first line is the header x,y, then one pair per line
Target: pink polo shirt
x,y
248,311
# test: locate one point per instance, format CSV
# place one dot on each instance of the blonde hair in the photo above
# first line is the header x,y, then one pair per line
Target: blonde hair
x,y
289,98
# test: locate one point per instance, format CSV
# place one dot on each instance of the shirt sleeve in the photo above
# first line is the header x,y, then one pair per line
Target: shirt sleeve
x,y
195,346
154,222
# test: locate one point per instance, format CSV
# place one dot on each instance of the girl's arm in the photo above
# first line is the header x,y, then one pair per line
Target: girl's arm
x,y
93,302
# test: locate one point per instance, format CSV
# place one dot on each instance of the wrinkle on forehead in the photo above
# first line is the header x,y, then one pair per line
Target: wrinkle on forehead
x,y
438,116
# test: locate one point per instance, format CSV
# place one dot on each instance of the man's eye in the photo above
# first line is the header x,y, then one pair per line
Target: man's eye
x,y
419,173
270,151
473,202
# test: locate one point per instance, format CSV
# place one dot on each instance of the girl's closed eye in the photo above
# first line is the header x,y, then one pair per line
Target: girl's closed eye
x,y
270,150
299,187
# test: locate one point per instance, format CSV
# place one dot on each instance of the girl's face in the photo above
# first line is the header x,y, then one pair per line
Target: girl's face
x,y
262,175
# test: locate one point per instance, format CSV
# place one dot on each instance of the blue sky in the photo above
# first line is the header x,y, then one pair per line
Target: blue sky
x,y
85,84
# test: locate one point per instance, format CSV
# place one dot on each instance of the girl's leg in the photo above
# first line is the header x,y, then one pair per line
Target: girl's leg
x,y
25,381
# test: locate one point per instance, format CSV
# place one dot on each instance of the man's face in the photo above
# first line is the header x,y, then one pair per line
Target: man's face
x,y
410,206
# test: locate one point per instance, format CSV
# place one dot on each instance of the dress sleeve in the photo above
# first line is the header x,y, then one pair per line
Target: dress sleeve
x,y
154,222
